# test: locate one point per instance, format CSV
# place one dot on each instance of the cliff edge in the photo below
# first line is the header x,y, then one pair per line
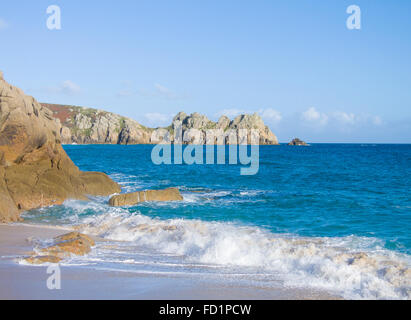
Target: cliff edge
x,y
35,171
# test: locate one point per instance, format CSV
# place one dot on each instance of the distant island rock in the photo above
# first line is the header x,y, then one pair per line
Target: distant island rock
x,y
35,171
297,142
92,126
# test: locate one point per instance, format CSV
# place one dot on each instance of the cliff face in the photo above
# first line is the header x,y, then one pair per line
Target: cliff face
x,y
92,126
35,171
202,123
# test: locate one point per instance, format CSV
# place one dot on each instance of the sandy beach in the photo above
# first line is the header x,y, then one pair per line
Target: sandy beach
x,y
29,282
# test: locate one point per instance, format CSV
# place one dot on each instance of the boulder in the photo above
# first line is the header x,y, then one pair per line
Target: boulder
x,y
78,247
74,236
297,142
35,171
64,246
42,259
130,199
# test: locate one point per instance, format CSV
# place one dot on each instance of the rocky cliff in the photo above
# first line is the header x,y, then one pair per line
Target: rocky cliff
x,y
92,126
224,124
35,171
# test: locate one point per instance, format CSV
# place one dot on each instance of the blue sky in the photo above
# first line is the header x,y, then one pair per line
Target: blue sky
x,y
295,62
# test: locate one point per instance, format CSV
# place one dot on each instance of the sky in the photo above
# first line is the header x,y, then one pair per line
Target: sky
x,y
294,62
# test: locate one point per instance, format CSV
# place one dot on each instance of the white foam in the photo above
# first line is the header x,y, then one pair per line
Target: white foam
x,y
354,267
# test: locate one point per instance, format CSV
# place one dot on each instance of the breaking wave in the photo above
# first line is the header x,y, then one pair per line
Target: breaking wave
x,y
353,267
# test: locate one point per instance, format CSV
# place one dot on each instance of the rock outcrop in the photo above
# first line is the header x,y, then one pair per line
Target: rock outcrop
x,y
223,125
93,126
130,199
297,142
73,243
35,171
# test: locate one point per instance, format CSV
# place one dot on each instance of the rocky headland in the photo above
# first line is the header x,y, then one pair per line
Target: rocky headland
x,y
35,171
93,126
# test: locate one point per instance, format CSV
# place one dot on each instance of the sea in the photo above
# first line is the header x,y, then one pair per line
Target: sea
x,y
333,217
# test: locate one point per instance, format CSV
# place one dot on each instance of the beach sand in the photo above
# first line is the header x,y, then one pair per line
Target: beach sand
x,y
29,282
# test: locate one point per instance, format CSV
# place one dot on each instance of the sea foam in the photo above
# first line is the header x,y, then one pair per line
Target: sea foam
x,y
354,267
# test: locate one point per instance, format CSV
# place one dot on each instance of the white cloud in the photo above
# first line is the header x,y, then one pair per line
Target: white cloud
x,y
125,93
346,118
158,119
3,24
166,92
270,115
377,120
160,91
69,87
340,119
315,117
352,119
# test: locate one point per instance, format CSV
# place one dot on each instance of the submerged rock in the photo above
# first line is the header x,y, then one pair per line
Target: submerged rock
x,y
129,199
35,171
43,259
64,246
297,142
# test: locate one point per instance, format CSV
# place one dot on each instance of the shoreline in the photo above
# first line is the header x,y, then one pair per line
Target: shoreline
x,y
85,282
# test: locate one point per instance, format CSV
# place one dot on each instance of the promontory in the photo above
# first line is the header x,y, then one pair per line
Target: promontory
x,y
35,171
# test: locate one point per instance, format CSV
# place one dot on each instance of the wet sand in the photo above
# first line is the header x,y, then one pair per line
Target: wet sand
x,y
29,282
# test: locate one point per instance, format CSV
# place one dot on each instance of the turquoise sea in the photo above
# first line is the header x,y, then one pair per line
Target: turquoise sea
x,y
329,216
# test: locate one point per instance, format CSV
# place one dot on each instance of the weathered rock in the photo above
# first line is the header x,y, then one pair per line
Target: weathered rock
x,y
129,199
93,126
202,124
35,171
78,247
74,236
297,142
43,259
8,209
255,122
64,246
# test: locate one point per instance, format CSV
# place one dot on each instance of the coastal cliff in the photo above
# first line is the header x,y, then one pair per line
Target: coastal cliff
x,y
202,123
93,126
35,171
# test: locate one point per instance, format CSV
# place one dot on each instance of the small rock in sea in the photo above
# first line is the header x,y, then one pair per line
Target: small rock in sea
x,y
297,142
130,199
